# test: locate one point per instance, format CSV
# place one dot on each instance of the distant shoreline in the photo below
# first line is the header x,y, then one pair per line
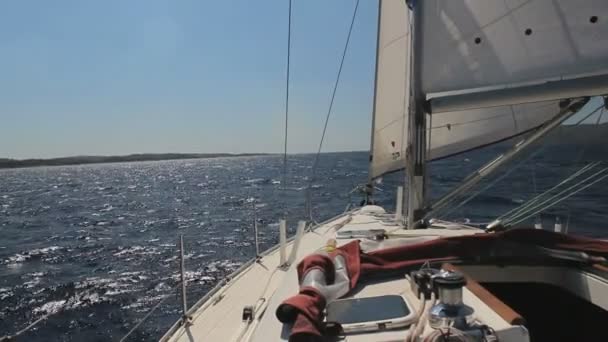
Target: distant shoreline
x,y
566,134
82,160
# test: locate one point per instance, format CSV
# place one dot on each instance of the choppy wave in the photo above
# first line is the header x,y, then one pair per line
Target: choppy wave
x,y
98,244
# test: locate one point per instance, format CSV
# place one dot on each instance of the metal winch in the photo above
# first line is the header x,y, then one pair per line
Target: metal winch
x,y
421,281
450,310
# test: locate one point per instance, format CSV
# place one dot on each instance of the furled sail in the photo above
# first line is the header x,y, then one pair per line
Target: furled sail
x,y
473,44
391,98
490,43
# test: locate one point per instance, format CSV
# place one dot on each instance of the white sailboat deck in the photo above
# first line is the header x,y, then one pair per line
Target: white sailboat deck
x,y
265,285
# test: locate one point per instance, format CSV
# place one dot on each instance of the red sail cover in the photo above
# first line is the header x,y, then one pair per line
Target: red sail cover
x,y
305,310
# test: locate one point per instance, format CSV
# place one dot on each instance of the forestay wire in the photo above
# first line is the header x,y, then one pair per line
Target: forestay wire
x,y
285,136
329,111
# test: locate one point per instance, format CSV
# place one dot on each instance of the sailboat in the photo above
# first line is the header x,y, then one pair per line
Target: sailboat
x,y
451,77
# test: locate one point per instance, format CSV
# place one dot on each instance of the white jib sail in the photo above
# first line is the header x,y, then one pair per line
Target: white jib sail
x,y
389,137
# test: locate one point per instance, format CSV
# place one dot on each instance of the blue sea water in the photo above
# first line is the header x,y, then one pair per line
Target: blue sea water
x,y
97,243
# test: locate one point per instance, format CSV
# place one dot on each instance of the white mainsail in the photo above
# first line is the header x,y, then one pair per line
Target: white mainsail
x,y
457,132
488,43
473,44
391,98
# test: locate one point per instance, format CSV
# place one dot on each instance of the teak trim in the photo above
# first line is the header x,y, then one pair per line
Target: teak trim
x,y
502,309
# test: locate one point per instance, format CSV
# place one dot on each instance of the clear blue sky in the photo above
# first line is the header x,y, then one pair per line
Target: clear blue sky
x,y
118,77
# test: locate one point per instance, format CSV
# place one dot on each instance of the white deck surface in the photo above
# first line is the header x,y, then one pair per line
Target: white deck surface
x,y
265,285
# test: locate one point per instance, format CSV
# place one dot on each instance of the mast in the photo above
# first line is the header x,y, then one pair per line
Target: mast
x,y
416,147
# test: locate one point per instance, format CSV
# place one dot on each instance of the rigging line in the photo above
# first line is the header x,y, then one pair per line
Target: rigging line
x,y
535,207
444,213
331,104
567,196
427,184
534,200
567,222
124,338
486,187
284,180
456,124
535,188
407,100
599,118
589,115
537,198
517,208
527,158
492,183
514,119
29,327
534,185
261,299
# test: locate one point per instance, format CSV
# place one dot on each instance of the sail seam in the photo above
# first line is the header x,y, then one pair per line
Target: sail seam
x,y
389,124
395,40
